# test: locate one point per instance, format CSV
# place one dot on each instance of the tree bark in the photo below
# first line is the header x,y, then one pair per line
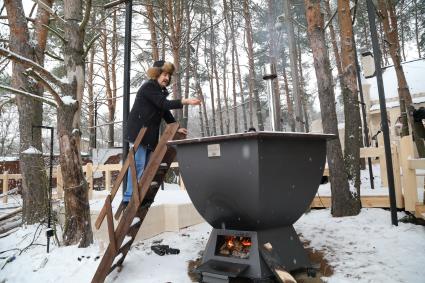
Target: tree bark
x,y
235,48
152,30
77,210
350,97
252,76
34,194
344,202
273,53
296,92
111,100
417,28
232,36
175,20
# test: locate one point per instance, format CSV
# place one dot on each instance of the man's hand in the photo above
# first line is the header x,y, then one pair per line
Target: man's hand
x,y
182,131
191,101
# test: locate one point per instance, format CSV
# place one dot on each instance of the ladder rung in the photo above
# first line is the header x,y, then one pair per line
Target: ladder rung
x,y
125,248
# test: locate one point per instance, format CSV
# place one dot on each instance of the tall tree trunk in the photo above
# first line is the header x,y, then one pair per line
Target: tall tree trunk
x,y
107,80
296,92
344,203
211,85
34,194
417,28
389,21
226,44
214,71
90,93
175,20
302,89
77,210
273,53
402,30
350,97
188,65
152,30
289,103
235,48
232,36
201,95
252,85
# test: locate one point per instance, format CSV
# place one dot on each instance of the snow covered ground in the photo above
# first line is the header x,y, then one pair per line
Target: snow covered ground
x,y
364,248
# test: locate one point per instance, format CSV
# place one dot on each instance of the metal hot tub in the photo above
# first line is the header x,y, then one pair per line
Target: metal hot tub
x,y
252,187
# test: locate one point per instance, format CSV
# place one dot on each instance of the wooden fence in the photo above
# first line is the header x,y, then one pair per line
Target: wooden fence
x,y
404,165
89,169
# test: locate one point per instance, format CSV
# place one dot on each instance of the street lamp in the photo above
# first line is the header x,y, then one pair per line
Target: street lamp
x,y
384,120
368,65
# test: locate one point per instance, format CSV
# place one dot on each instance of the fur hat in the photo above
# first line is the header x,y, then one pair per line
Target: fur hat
x,y
159,67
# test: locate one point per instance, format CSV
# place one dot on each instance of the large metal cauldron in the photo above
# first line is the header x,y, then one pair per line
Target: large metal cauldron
x,y
255,184
252,181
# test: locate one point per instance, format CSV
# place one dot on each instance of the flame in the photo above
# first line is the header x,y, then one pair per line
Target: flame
x,y
246,242
230,242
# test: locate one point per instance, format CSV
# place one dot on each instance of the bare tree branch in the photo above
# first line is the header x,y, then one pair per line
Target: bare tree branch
x,y
8,101
205,29
30,72
50,10
90,44
55,32
30,95
330,20
31,64
86,18
54,56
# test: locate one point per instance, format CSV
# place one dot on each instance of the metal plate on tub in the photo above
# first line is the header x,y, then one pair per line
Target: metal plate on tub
x,y
214,150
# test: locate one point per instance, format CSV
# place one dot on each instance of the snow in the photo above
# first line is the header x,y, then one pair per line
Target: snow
x,y
363,248
68,100
8,158
31,150
414,75
392,104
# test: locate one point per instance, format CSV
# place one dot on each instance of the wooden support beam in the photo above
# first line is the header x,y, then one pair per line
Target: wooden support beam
x,y
271,258
5,185
119,179
111,229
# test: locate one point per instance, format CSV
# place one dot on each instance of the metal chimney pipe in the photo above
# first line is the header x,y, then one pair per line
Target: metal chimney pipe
x,y
269,73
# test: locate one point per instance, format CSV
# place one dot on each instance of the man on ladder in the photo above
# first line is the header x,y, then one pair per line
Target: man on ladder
x,y
149,108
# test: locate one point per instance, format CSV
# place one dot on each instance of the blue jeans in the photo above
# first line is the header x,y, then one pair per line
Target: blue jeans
x,y
141,159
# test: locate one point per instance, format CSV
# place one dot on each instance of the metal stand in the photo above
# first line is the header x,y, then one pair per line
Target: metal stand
x,y
49,232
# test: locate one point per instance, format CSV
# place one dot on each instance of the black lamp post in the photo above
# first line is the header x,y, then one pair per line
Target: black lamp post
x,y
127,63
49,232
384,120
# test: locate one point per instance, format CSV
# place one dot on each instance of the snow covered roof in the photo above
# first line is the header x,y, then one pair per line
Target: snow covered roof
x,y
415,74
8,158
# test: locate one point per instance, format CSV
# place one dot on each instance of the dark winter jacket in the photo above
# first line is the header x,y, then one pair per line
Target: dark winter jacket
x,y
150,106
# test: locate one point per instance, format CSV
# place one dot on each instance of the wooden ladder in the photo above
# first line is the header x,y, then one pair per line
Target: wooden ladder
x,y
144,192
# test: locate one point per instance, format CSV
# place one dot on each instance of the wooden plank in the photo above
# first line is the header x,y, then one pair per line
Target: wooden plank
x,y
134,183
409,175
272,259
108,180
5,186
420,210
89,178
111,229
156,158
59,182
367,201
418,163
119,179
397,177
366,152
